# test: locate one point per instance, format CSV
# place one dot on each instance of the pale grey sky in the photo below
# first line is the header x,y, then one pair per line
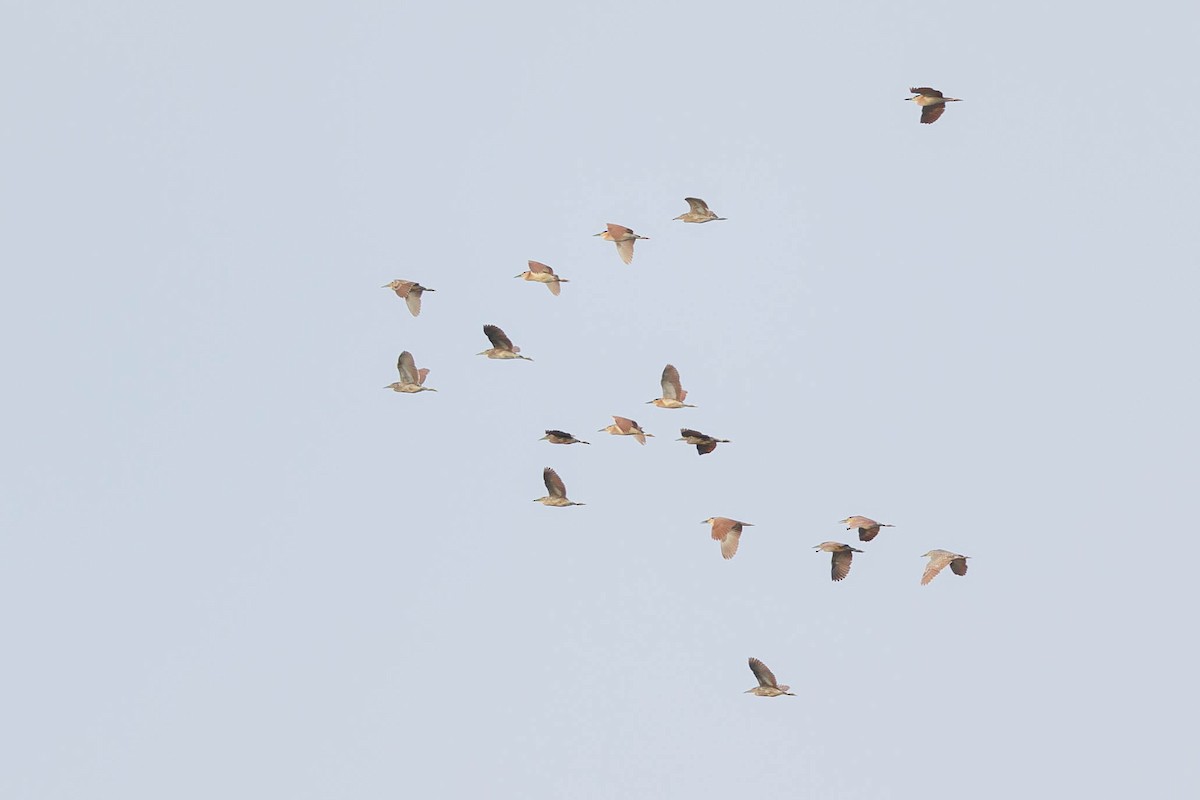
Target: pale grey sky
x,y
232,565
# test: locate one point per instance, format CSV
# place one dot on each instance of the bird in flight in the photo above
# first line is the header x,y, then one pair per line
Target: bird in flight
x,y
623,237
932,103
698,211
767,685
412,380
502,347
541,273
938,559
410,292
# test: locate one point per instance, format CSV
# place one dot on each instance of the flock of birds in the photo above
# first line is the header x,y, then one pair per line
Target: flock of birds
x,y
724,530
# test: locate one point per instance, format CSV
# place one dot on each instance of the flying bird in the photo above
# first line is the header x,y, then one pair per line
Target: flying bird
x,y
728,532
541,273
411,292
704,443
698,211
623,426
767,685
868,528
843,554
557,496
932,103
502,347
623,237
673,393
412,380
938,559
561,437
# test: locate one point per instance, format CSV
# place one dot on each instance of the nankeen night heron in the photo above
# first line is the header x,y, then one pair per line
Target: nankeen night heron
x,y
767,685
843,554
704,443
557,496
540,273
561,437
938,559
868,528
673,393
932,103
623,426
623,238
502,347
412,380
728,532
410,292
698,211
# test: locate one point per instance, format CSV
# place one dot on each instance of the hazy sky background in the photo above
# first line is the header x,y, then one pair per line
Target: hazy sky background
x,y
233,566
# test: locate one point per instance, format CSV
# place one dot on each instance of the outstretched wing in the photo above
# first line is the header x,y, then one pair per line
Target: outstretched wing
x,y
930,114
554,484
497,338
671,388
407,368
765,676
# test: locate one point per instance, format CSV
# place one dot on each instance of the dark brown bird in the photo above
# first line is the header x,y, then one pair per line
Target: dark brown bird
x,y
932,103
561,437
843,554
704,443
502,347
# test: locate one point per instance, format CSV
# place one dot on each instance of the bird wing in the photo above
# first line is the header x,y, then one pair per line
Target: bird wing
x,y
868,533
687,433
497,338
624,424
762,673
555,287
926,91
407,368
696,205
401,288
554,484
841,564
617,232
936,564
959,565
560,434
706,447
641,437
671,389
930,114
537,266
625,250
413,301
422,374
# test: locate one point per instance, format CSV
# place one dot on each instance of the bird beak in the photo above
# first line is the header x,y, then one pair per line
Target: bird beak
x,y
517,276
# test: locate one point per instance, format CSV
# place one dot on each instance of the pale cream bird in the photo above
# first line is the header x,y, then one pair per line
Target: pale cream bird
x,y
698,211
412,380
623,426
843,554
673,393
938,559
728,532
502,347
557,491
410,292
767,685
868,528
623,238
932,103
540,273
